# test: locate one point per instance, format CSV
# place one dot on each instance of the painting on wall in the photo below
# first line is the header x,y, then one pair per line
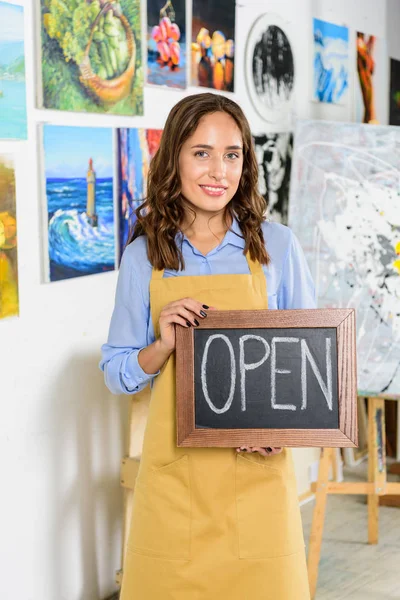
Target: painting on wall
x,y
166,43
394,102
79,170
270,69
213,44
371,79
12,73
9,302
344,207
91,56
274,157
136,148
331,62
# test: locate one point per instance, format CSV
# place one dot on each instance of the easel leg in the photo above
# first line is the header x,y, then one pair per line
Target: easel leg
x,y
317,526
376,463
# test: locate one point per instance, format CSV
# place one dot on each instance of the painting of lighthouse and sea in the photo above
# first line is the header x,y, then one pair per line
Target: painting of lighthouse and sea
x,y
79,191
12,73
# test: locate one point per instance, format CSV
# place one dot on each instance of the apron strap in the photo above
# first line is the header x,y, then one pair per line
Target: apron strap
x,y
254,266
156,275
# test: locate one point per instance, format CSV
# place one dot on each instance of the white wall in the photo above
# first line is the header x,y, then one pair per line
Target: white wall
x,y
61,433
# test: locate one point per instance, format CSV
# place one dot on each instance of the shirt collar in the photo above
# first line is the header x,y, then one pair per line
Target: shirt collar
x,y
233,236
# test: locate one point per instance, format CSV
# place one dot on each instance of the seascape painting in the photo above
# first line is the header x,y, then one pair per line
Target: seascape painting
x,y
79,170
213,44
270,70
9,302
136,148
91,56
12,73
166,43
274,158
344,207
394,100
331,62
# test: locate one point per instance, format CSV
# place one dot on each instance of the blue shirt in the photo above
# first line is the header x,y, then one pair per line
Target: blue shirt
x,y
289,285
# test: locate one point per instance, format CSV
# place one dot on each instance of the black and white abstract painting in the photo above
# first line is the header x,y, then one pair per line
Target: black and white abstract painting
x,y
270,69
274,158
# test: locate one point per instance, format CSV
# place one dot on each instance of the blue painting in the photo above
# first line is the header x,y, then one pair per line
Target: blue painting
x,y
136,148
166,43
331,62
79,189
12,73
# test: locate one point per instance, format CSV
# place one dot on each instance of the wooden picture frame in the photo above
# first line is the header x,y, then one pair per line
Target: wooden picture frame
x,y
346,435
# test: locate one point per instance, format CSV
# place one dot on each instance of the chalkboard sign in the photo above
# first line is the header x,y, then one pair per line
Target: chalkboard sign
x,y
268,378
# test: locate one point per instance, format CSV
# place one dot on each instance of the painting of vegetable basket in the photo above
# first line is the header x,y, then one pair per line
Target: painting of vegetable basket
x,y
91,56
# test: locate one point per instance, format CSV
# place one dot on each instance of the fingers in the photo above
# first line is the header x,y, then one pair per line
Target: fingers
x,y
269,451
186,312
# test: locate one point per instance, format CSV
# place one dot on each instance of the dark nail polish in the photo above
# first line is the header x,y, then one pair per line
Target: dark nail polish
x,y
203,314
196,321
188,324
205,306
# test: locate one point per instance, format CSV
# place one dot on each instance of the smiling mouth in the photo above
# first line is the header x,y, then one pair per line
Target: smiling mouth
x,y
214,190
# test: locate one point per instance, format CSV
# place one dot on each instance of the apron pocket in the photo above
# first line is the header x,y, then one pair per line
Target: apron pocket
x,y
161,512
268,513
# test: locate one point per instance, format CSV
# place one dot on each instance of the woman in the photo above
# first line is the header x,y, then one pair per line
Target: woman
x,y
207,523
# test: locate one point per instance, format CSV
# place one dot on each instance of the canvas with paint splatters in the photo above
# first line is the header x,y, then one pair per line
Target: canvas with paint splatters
x,y
345,209
9,301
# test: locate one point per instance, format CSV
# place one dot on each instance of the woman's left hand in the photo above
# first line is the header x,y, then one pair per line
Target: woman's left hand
x,y
263,451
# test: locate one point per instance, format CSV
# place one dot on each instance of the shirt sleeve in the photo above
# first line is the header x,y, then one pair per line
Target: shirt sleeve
x,y
296,289
128,332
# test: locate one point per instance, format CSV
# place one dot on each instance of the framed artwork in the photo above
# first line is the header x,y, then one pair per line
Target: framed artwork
x,y
12,73
136,148
270,69
213,44
166,43
394,99
91,56
274,156
9,300
79,181
331,62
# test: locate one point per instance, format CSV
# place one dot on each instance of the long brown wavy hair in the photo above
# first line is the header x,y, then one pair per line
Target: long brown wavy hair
x,y
161,214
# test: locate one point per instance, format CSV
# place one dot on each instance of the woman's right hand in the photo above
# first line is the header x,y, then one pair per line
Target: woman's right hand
x,y
185,312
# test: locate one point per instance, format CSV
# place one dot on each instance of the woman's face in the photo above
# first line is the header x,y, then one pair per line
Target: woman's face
x,y
211,162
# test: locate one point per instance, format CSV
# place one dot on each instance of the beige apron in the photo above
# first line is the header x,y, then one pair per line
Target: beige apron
x,y
211,523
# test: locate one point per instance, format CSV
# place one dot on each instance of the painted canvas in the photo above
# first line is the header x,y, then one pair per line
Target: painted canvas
x,y
270,71
136,148
394,102
213,44
91,56
344,207
371,79
9,302
166,43
331,62
80,209
274,157
12,73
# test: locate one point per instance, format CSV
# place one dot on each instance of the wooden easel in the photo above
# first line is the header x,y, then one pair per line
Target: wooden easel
x,y
376,487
